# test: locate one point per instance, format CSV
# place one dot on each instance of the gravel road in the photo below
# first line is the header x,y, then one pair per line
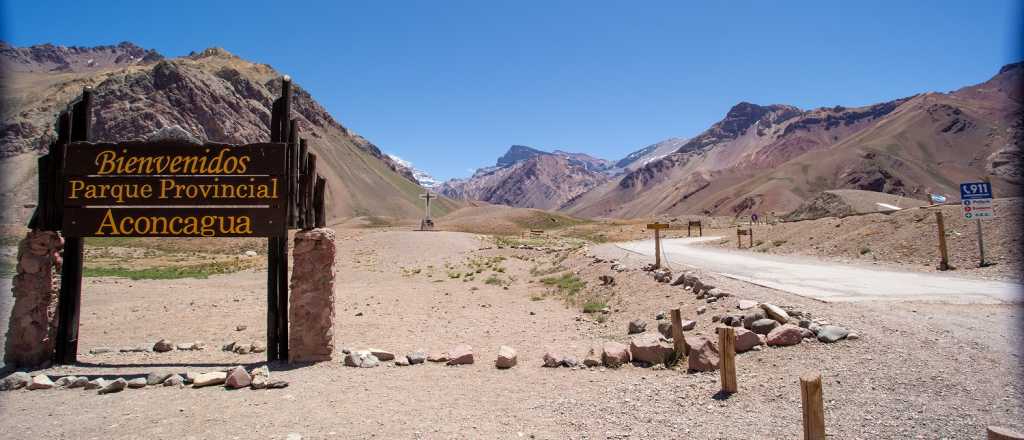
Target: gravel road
x,y
828,281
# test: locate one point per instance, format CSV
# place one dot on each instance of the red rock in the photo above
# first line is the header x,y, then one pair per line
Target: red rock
x,y
702,353
614,354
462,354
507,357
647,347
746,339
788,334
238,378
552,360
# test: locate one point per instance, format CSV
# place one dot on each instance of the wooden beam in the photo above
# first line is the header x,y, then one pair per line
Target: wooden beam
x,y
943,253
727,356
813,406
678,341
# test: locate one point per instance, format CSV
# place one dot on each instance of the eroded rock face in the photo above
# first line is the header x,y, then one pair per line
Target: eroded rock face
x,y
311,299
33,325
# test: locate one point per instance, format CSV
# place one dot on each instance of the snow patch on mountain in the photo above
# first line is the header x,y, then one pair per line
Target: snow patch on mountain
x,y
424,178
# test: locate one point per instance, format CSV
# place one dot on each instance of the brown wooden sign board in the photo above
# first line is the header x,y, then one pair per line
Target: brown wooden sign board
x,y
657,226
175,189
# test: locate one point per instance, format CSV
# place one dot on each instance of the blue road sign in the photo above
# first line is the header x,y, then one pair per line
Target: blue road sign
x,y
975,190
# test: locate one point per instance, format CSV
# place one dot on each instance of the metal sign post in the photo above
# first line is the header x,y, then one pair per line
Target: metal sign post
x,y
976,201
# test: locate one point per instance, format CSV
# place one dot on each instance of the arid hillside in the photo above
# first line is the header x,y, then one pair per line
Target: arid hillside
x,y
773,158
213,95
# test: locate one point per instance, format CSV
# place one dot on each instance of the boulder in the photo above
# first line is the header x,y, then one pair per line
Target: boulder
x,y
746,304
570,362
787,334
382,355
665,328
156,377
417,357
648,348
209,379
775,312
259,382
750,316
437,357
637,326
702,354
361,359
401,361
832,333
163,346
688,325
41,382
507,357
763,326
746,340
701,310
614,354
174,380
238,378
95,384
462,354
64,381
257,347
552,360
138,382
114,387
593,358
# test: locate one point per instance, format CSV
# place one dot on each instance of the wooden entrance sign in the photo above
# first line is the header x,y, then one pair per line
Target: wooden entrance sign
x,y
689,226
740,232
657,227
172,188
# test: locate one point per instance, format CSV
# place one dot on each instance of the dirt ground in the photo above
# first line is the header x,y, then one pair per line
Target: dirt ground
x,y
919,370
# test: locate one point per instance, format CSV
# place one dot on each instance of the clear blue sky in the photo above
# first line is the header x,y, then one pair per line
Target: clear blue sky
x,y
450,85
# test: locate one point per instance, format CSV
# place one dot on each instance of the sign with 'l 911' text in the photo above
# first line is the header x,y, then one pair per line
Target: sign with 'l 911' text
x,y
171,189
976,200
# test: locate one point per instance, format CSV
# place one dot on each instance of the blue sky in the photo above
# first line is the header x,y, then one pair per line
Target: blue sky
x,y
450,85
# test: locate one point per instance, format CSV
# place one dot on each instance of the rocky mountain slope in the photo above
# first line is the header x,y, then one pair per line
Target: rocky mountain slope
x,y
773,158
213,95
529,178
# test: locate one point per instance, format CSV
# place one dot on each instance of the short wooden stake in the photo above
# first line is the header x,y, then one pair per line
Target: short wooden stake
x,y
813,406
678,341
1000,433
727,354
943,254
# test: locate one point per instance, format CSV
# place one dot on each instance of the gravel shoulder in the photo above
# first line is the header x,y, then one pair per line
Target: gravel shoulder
x,y
395,291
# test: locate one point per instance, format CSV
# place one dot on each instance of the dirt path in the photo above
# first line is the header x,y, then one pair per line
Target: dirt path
x,y
395,292
829,281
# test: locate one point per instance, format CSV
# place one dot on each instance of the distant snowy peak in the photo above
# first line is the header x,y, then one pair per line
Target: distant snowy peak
x,y
422,177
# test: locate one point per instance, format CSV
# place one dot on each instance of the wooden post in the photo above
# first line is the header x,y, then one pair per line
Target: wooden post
x,y
813,406
318,202
727,353
981,246
943,255
739,239
69,302
678,341
657,227
1000,433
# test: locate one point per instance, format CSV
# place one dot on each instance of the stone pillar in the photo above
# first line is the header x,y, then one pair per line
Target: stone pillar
x,y
311,297
33,324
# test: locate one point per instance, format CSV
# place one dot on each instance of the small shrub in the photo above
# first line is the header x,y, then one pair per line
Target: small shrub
x,y
493,280
778,243
594,306
568,283
864,250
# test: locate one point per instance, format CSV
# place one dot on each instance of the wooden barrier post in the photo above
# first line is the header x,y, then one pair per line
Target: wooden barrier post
x,y
943,254
657,227
1000,433
678,343
727,353
813,406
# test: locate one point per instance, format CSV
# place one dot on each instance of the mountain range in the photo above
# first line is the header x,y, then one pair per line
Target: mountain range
x,y
213,95
757,158
773,158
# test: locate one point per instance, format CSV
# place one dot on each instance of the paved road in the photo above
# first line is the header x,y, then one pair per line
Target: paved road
x,y
828,281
